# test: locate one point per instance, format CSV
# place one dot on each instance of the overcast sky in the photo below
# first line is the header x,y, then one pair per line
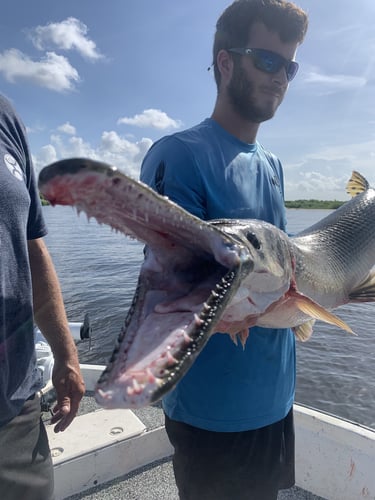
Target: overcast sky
x,y
106,79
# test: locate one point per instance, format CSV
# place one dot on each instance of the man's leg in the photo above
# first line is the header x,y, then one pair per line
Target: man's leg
x,y
251,465
26,470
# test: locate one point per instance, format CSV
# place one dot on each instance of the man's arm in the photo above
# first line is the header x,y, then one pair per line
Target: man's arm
x,y
50,316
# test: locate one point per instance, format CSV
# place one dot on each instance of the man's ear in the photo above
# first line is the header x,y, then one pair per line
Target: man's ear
x,y
224,63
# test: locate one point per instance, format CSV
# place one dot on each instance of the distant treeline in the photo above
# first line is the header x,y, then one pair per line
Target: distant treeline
x,y
289,204
314,204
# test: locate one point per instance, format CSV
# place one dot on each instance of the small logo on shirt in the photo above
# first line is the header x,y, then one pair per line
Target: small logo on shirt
x,y
13,167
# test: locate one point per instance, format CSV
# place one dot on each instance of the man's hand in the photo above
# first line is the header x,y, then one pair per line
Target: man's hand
x,y
70,388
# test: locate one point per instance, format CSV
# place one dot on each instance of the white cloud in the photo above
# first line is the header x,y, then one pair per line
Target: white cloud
x,y
74,146
46,155
66,35
359,154
325,173
116,144
333,83
312,185
154,118
36,129
67,128
112,149
125,155
53,71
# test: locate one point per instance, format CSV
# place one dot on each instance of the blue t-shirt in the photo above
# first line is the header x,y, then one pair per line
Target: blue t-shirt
x,y
214,175
20,220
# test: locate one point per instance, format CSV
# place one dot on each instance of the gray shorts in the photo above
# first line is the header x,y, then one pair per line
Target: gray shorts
x,y
26,470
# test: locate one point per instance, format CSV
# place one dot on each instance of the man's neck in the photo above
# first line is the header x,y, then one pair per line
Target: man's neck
x,y
234,124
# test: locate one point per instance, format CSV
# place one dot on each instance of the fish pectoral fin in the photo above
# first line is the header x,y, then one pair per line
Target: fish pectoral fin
x,y
303,332
365,291
243,334
314,310
233,337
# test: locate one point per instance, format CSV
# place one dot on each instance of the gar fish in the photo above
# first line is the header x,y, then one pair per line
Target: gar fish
x,y
202,277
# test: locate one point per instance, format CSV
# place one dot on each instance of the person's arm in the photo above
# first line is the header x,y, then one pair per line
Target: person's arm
x,y
50,316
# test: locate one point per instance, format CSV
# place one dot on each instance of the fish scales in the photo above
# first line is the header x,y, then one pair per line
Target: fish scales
x,y
334,255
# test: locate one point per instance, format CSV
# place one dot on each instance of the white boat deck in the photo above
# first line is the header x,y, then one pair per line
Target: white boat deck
x,y
122,454
156,483
76,468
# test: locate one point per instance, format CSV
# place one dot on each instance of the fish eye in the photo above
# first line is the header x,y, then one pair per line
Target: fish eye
x,y
252,238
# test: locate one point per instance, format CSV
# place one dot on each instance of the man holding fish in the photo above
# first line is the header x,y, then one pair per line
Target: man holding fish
x,y
230,418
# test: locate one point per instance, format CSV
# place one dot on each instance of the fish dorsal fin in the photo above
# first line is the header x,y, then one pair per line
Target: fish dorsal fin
x,y
356,184
314,310
365,291
303,332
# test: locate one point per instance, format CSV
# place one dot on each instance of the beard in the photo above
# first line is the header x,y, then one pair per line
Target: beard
x,y
241,95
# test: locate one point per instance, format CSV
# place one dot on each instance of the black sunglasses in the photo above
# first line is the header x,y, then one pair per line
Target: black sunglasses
x,y
269,62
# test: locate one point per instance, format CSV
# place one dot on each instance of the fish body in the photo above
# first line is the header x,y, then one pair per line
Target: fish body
x,y
202,277
334,258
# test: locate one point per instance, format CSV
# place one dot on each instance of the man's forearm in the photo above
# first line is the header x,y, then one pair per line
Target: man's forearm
x,y
49,311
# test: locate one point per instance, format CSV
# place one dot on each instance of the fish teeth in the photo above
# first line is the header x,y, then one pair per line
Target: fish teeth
x,y
197,320
137,387
106,395
139,383
150,376
130,391
187,339
171,361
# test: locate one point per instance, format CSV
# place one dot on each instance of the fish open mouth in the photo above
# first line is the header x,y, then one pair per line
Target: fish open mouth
x,y
166,327
190,272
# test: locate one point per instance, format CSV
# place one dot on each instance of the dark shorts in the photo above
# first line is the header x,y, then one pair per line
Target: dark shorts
x,y
26,470
251,465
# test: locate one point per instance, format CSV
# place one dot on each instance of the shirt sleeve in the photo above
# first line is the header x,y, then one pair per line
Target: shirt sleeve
x,y
170,168
15,141
36,226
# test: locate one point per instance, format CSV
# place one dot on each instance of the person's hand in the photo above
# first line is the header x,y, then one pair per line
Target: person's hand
x,y
70,388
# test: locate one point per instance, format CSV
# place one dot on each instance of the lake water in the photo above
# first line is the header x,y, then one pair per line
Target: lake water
x,y
98,270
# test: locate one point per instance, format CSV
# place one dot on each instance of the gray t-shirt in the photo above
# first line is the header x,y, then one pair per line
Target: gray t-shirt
x,y
21,219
